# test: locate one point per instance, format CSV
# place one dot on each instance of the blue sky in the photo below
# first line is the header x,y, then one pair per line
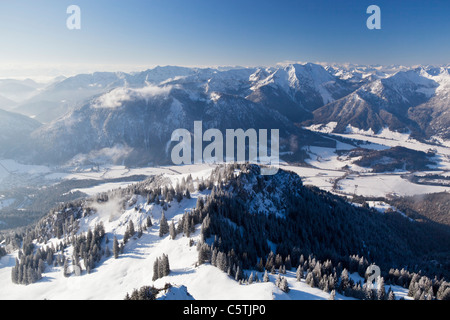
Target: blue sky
x,y
225,32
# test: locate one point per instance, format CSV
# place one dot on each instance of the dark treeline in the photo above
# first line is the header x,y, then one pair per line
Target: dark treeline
x,y
396,158
32,261
147,293
434,207
161,267
306,220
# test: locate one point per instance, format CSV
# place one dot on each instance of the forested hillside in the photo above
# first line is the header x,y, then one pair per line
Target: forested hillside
x,y
249,223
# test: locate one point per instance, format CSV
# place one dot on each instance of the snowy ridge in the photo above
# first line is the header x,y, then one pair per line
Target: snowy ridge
x,y
114,278
410,100
80,113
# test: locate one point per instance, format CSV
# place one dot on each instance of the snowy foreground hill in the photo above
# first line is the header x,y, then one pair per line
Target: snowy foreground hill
x,y
227,233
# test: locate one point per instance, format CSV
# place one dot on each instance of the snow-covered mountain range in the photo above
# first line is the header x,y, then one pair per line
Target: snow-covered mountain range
x,y
412,100
138,111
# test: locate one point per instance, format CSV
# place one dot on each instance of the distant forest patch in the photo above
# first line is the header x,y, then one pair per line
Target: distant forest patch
x,y
396,158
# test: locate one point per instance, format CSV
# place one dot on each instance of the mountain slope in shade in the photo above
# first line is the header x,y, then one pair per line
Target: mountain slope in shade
x,y
60,97
15,130
7,104
433,116
19,90
302,88
63,96
305,86
141,121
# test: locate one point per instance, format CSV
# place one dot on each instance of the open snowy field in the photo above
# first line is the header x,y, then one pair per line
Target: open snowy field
x,y
380,185
339,174
11,167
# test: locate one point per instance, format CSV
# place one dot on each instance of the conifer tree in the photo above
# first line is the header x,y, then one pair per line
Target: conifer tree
x,y
66,269
172,231
260,266
299,273
332,295
166,265
344,282
131,229
203,253
266,276
116,249
186,225
163,226
391,295
381,290
284,285
238,274
15,274
310,279
156,270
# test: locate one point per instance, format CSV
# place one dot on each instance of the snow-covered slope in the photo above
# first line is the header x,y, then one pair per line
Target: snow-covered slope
x,y
113,278
433,116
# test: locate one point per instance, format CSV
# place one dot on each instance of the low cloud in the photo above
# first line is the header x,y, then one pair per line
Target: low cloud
x,y
116,97
115,155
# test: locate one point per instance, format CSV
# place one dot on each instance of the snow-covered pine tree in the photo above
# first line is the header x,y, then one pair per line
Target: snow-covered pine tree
x,y
390,295
310,279
66,269
163,226
381,290
299,273
204,253
156,270
284,285
116,249
186,226
166,265
172,231
332,295
239,274
131,229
